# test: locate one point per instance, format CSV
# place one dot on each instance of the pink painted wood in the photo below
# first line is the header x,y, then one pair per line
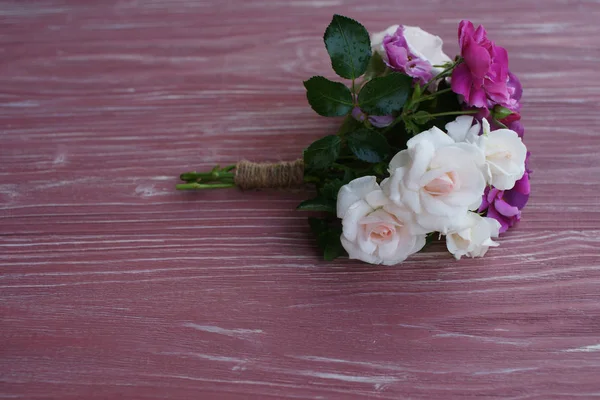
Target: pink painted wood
x,y
113,285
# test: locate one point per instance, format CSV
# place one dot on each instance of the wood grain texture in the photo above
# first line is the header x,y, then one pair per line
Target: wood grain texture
x,y
113,285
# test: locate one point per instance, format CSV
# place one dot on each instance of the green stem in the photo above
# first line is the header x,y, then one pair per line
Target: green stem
x,y
432,96
217,178
443,74
453,113
201,186
205,176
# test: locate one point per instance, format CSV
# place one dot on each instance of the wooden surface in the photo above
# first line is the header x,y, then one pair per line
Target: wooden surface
x,y
113,285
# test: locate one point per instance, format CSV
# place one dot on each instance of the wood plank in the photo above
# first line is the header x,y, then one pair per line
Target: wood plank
x,y
113,285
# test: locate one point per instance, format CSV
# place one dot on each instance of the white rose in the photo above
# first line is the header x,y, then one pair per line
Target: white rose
x,y
374,229
503,149
437,178
474,237
422,44
505,155
463,130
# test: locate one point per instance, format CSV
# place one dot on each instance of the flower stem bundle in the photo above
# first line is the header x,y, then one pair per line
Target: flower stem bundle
x,y
429,146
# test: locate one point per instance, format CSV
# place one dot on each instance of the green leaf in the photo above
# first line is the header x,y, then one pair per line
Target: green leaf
x,y
411,127
349,47
318,225
385,95
369,146
328,98
430,239
381,169
421,117
328,237
375,68
317,204
333,247
350,124
349,175
322,153
319,228
331,188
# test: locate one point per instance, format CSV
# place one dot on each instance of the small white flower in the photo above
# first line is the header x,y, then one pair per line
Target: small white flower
x,y
503,149
437,178
374,229
474,237
422,44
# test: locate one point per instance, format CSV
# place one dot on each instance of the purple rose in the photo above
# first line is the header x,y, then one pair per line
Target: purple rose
x,y
515,92
482,79
505,205
400,58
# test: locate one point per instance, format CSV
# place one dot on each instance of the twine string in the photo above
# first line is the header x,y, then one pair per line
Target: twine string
x,y
250,175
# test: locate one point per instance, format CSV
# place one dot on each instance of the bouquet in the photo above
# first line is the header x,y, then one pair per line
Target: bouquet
x,y
429,146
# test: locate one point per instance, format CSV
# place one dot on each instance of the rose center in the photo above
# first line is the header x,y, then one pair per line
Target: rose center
x,y
501,154
460,241
382,233
442,185
380,227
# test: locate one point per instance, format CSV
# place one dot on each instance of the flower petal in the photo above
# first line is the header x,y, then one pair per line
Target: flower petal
x,y
352,217
477,58
462,81
377,199
356,190
460,128
401,159
355,253
506,209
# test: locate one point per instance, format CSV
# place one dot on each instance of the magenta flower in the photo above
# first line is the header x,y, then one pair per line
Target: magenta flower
x,y
482,79
505,205
400,58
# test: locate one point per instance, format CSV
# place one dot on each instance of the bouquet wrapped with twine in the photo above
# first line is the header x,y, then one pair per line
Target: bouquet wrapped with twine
x,y
429,146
